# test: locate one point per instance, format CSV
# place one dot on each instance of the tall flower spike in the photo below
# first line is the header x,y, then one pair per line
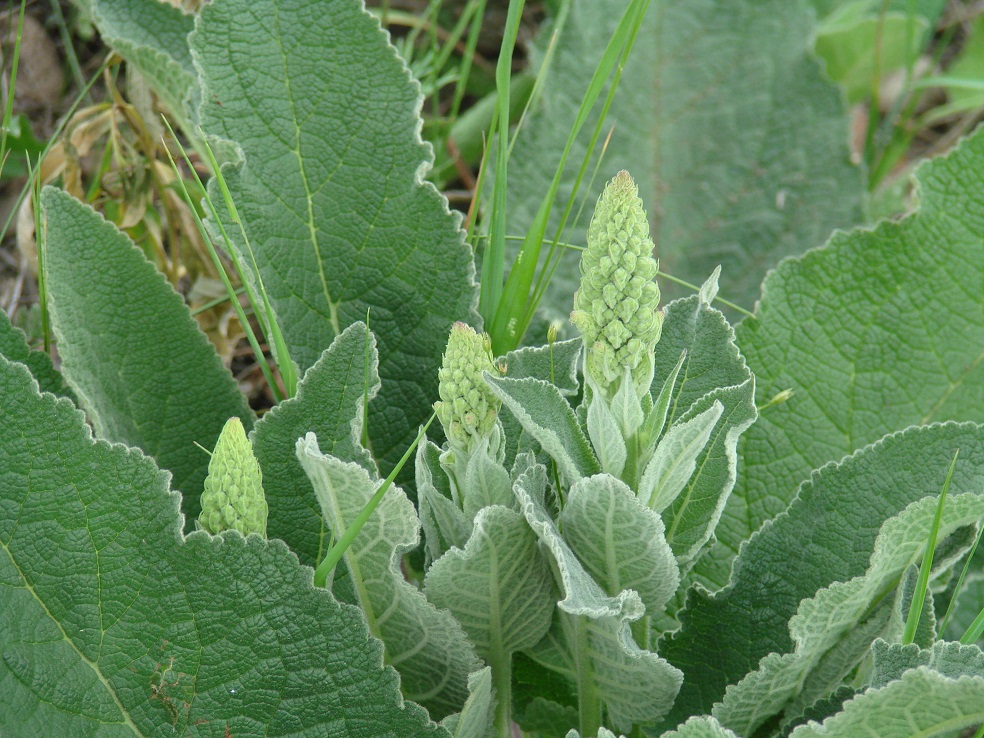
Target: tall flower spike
x,y
616,308
233,498
467,409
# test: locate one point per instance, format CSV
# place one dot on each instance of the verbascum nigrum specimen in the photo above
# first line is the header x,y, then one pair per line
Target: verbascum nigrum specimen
x,y
468,410
616,308
233,498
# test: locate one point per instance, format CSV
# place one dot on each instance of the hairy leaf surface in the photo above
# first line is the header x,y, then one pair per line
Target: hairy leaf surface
x,y
922,702
113,624
739,146
330,191
839,611
879,330
328,403
144,373
426,645
830,533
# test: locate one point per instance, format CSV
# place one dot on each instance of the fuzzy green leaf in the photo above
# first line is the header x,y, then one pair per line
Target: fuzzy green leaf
x,y
722,115
328,403
636,685
13,345
144,373
499,586
879,330
922,702
475,719
442,521
114,624
619,540
330,191
701,727
426,645
557,363
891,660
544,414
153,38
838,611
844,502
713,371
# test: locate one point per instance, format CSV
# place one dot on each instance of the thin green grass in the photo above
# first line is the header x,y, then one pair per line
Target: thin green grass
x,y
511,311
960,580
922,583
8,113
337,551
217,261
493,264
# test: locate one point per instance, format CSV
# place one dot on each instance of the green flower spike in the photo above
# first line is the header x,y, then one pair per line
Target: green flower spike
x,y
468,410
616,308
233,498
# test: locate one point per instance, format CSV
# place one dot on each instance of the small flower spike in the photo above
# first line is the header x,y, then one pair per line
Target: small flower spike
x,y
233,498
616,308
468,410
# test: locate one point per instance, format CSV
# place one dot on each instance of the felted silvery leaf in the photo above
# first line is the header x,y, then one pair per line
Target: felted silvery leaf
x,y
426,645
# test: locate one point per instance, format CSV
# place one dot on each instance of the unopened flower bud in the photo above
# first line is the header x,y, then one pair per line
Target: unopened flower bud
x,y
616,308
233,498
467,409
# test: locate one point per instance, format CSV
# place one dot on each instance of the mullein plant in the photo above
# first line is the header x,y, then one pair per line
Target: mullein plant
x,y
486,567
605,516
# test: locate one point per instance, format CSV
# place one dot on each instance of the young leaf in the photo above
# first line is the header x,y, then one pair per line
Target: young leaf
x,y
842,502
692,114
144,373
700,727
113,623
713,370
619,540
475,718
443,522
635,685
837,611
544,414
557,363
606,435
499,586
331,193
329,402
828,328
675,458
424,644
922,702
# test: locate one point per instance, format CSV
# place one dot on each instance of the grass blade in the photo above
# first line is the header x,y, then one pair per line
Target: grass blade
x,y
922,583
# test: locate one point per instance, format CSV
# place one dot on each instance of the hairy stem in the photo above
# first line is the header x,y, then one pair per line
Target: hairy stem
x,y
589,701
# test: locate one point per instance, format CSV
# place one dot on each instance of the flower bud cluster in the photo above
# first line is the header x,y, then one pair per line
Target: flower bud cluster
x,y
468,410
233,498
616,308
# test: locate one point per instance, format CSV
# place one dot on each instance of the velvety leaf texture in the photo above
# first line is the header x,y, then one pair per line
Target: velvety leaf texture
x,y
114,624
330,191
13,345
879,330
153,38
830,532
328,403
144,373
922,703
713,370
739,146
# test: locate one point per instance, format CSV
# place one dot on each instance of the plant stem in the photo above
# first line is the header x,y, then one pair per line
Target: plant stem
x,y
589,701
501,662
